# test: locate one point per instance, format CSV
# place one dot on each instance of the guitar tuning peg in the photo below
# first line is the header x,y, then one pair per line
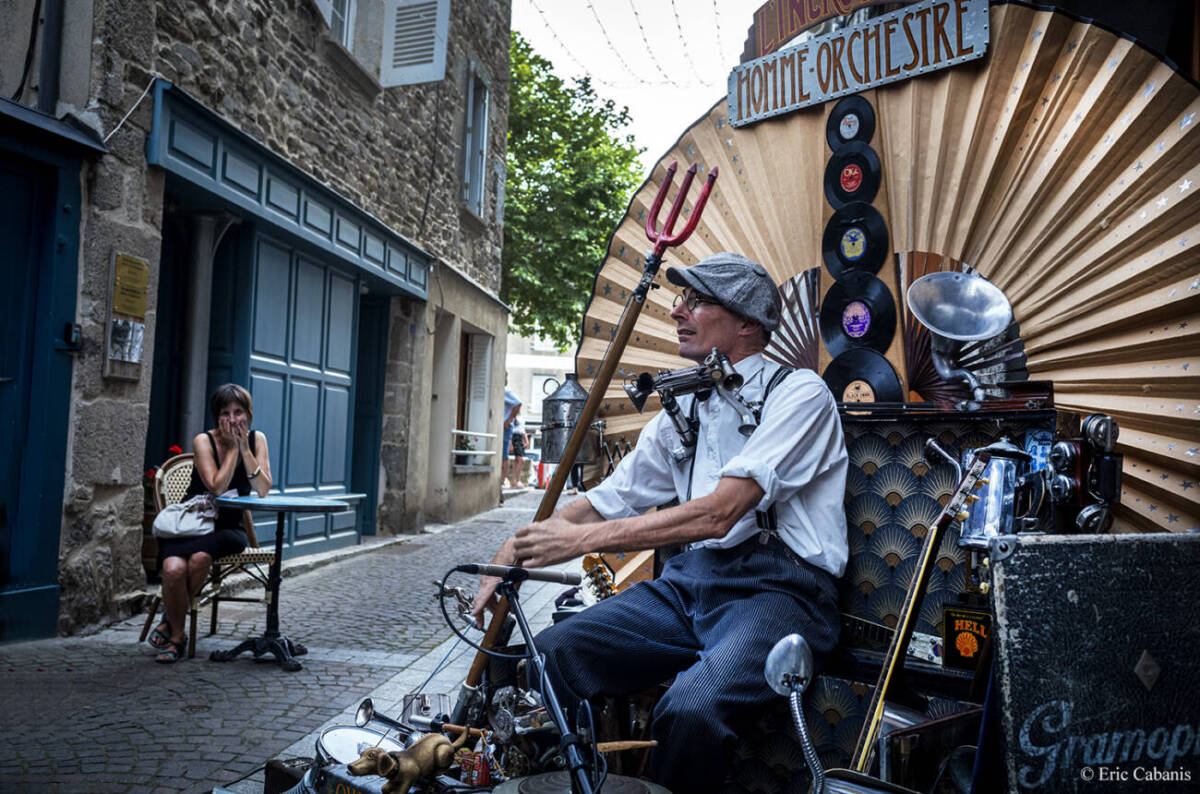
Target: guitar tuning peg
x,y
984,587
982,481
972,498
961,516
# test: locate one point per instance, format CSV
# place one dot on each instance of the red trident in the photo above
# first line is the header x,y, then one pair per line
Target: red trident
x,y
664,239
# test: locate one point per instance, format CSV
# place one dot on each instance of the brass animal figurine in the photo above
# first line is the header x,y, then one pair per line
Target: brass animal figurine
x,y
429,756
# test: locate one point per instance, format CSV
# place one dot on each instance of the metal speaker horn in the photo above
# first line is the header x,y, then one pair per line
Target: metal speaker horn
x,y
957,308
640,390
366,713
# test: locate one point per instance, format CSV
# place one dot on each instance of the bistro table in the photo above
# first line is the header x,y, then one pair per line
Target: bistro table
x,y
283,648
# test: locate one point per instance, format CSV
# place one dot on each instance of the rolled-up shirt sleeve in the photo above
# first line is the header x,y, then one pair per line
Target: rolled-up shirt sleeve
x,y
643,479
800,438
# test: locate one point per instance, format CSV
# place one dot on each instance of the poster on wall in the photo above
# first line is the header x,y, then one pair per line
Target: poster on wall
x,y
125,336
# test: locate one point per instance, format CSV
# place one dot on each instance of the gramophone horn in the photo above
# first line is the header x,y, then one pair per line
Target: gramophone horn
x,y
956,308
959,306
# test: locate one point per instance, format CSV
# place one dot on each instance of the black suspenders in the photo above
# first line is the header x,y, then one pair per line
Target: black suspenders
x,y
766,519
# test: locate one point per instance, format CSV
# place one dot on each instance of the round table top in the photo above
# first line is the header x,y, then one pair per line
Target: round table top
x,y
282,503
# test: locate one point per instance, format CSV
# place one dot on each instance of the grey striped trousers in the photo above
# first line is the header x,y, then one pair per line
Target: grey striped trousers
x,y
709,620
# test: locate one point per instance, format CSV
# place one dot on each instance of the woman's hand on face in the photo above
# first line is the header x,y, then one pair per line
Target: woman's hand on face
x,y
241,434
224,432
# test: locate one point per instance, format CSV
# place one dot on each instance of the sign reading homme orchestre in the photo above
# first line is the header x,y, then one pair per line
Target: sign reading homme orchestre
x,y
913,40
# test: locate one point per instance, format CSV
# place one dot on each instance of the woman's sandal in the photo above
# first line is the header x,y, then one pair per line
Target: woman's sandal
x,y
170,653
159,638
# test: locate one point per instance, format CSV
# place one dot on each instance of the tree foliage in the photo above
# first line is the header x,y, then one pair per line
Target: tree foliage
x,y
570,175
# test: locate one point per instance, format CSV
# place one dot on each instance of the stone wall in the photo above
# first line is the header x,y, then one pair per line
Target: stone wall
x,y
402,395
100,569
268,67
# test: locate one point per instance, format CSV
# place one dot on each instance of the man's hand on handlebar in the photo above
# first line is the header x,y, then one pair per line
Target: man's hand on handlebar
x,y
485,596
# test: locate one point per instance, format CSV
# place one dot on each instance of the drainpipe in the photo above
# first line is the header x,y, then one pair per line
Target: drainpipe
x,y
52,29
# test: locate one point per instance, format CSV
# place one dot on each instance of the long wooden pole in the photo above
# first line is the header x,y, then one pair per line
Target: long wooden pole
x,y
633,309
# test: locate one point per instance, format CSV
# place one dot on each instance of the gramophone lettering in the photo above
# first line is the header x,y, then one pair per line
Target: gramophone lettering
x,y
1046,739
916,39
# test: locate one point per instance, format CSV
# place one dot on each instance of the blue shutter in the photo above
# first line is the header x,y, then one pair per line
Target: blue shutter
x,y
414,42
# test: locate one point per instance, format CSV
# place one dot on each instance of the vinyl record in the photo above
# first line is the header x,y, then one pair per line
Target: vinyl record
x,y
852,174
864,376
852,119
855,240
858,311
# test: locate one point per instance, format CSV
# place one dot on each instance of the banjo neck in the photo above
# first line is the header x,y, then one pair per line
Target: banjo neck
x,y
893,660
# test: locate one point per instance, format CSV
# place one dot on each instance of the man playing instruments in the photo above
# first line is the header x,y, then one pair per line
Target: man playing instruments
x,y
763,519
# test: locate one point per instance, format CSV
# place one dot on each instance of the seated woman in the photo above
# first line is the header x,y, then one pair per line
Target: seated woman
x,y
229,457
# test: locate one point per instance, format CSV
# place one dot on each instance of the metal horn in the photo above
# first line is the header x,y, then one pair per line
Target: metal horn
x,y
366,713
957,308
640,390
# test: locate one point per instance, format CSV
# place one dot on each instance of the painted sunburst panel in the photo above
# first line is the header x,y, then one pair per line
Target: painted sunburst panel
x,y
1064,167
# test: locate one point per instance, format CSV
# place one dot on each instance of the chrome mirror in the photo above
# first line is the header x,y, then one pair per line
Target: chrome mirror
x,y
365,713
789,665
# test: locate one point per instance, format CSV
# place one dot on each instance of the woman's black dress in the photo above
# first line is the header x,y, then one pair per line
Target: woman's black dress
x,y
229,537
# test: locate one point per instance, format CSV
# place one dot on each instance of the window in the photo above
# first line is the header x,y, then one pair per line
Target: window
x,y
339,15
474,390
341,22
475,142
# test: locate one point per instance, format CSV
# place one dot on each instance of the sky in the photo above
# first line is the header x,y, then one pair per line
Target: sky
x,y
666,60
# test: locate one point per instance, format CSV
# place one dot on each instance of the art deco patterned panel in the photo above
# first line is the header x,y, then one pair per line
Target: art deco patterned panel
x,y
1064,167
894,497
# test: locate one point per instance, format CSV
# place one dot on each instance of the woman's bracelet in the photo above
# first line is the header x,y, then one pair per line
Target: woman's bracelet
x,y
257,471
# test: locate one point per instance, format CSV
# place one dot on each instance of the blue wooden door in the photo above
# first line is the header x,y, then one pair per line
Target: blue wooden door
x,y
20,227
301,354
40,230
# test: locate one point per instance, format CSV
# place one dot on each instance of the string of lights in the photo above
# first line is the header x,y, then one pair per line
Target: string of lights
x,y
660,77
717,29
567,50
687,51
649,49
613,47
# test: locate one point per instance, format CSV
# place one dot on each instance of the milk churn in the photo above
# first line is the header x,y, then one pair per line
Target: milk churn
x,y
559,413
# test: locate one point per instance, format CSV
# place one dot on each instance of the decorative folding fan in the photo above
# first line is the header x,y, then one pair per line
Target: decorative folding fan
x,y
796,343
1063,166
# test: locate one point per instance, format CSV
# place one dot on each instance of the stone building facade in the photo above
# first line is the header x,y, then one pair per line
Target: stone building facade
x,y
288,189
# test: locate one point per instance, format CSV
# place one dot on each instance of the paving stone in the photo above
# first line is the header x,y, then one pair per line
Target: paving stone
x,y
373,629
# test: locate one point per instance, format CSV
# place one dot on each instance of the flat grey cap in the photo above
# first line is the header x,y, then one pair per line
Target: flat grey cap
x,y
741,285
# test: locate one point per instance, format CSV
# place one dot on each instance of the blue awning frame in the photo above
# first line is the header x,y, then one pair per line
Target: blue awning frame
x,y
66,133
189,140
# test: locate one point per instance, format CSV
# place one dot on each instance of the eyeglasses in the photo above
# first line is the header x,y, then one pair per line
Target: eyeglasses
x,y
692,299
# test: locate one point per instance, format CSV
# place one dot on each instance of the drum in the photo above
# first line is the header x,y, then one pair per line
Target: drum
x,y
345,743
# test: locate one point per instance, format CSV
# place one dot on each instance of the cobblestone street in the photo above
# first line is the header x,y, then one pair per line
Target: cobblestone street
x,y
97,714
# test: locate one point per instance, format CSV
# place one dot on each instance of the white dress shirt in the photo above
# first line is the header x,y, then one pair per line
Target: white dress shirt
x,y
797,455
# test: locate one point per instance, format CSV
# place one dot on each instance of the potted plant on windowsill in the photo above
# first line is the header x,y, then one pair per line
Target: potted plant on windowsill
x,y
463,444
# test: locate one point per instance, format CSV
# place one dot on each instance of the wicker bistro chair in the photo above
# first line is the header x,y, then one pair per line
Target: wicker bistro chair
x,y
170,485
